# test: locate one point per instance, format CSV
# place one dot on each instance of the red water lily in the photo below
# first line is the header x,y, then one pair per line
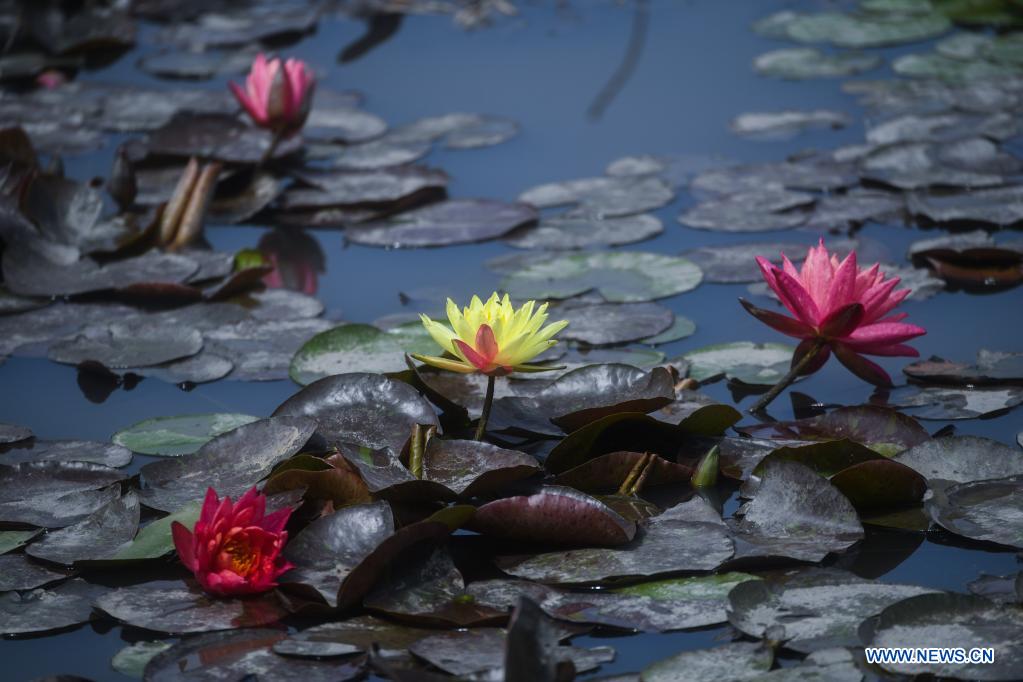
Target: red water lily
x,y
234,548
277,95
841,308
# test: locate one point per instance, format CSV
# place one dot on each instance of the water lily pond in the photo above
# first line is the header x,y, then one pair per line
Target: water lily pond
x,y
211,292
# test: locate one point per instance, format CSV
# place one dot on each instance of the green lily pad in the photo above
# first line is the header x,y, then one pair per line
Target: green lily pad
x,y
181,435
619,276
751,363
155,540
854,30
359,348
131,661
735,661
13,539
806,62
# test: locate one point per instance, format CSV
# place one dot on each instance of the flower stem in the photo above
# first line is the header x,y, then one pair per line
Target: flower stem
x,y
786,380
268,154
488,401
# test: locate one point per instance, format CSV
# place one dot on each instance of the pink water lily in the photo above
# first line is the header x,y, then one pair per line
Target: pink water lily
x,y
277,95
838,307
234,548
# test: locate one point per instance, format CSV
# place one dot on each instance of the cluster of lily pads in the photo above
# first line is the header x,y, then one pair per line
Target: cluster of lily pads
x,y
385,484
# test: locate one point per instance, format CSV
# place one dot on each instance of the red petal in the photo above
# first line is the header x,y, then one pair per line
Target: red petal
x,y
885,333
486,344
778,322
861,367
818,360
184,543
474,358
843,321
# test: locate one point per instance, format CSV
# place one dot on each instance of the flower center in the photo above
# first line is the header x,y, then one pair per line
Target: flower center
x,y
239,555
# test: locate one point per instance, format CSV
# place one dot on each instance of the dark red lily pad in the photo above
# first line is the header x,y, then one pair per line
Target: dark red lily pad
x,y
470,468
554,516
608,472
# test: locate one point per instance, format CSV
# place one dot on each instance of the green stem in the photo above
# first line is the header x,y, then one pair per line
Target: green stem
x,y
416,446
488,402
787,380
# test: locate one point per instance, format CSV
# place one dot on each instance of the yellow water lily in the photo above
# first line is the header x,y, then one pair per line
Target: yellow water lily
x,y
493,337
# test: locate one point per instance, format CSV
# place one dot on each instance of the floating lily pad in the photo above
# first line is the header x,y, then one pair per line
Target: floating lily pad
x,y
1001,206
340,556
44,610
385,477
155,540
854,30
12,433
230,463
608,472
745,361
29,273
780,124
961,459
816,609
131,661
807,62
351,635
359,348
583,396
760,210
683,538
186,608
681,328
333,478
605,324
1004,589
605,197
991,510
182,435
469,468
54,494
430,590
96,537
368,409
763,182
734,661
990,368
340,187
240,655
952,620
737,263
214,136
450,222
619,276
121,345
554,516
957,403
13,539
796,514
18,572
879,428
571,231
107,454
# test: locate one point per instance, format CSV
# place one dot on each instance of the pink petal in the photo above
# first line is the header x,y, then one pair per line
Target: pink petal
x,y
860,366
800,302
843,286
778,322
817,273
888,350
248,104
884,333
843,321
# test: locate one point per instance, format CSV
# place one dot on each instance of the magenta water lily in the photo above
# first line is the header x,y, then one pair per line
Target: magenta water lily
x,y
277,95
837,307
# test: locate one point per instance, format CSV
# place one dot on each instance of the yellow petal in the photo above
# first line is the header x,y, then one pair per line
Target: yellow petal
x,y
441,334
446,363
